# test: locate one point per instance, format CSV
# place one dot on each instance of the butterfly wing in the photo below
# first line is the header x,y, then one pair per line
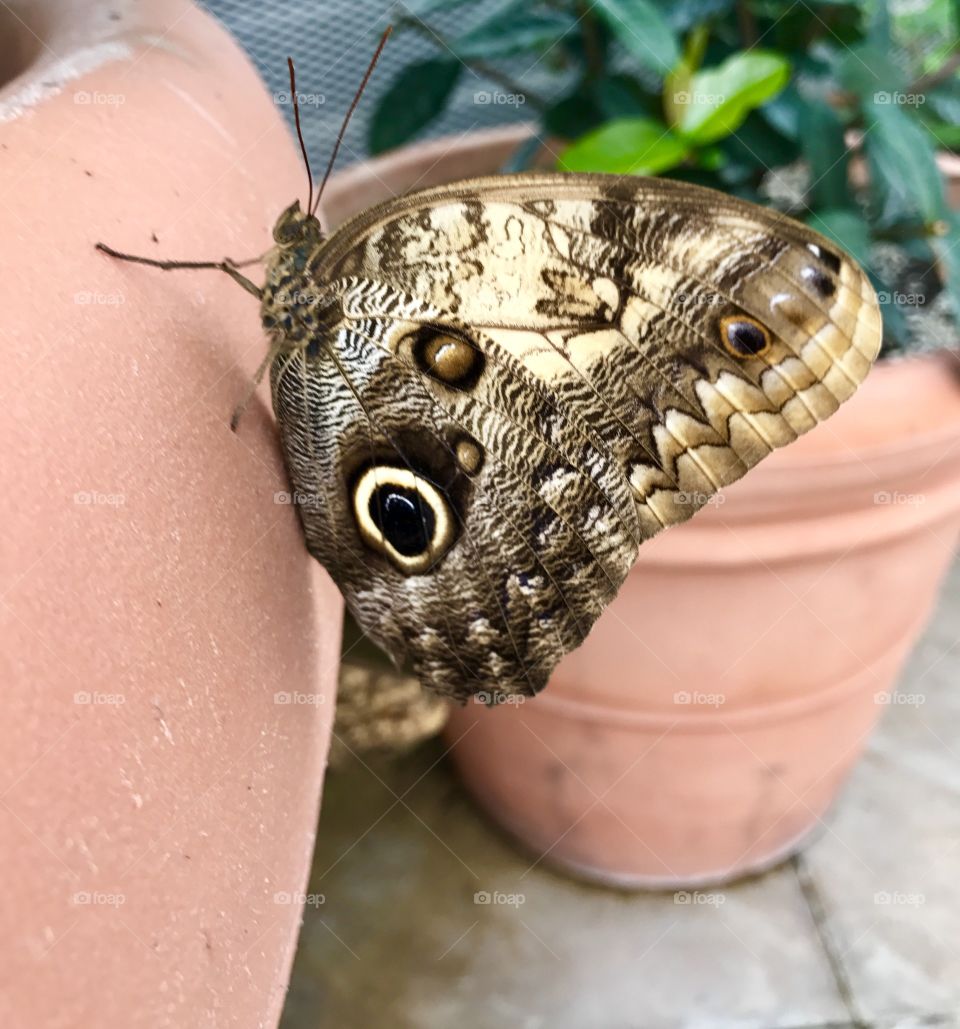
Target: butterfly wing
x,y
527,376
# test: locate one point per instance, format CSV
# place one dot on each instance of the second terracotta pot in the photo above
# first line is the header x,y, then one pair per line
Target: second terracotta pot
x,y
707,723
705,726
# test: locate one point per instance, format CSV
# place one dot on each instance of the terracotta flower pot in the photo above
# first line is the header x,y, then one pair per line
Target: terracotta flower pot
x,y
158,797
708,721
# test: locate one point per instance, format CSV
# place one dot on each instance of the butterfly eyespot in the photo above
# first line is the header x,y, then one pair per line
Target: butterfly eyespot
x,y
469,455
831,260
744,337
820,281
447,356
405,521
403,516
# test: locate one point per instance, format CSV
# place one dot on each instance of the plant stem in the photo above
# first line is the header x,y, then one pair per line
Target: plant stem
x,y
591,43
747,24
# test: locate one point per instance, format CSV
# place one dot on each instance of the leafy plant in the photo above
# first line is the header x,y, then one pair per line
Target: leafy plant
x,y
831,110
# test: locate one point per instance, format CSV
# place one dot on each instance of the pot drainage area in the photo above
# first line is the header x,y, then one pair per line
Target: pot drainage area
x,y
421,915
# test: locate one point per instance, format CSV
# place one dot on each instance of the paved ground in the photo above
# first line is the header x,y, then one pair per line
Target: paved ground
x,y
862,930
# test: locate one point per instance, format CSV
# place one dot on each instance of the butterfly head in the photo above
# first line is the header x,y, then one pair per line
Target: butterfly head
x,y
296,229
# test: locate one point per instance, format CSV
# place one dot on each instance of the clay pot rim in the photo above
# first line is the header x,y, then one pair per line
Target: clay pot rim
x,y
62,45
817,538
558,704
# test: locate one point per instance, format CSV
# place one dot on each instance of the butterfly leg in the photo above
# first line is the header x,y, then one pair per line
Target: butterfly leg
x,y
275,347
226,265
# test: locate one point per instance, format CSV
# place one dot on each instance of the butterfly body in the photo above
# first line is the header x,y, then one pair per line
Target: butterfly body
x,y
491,393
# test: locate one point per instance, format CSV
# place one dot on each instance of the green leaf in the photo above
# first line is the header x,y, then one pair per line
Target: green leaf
x,y
845,226
711,158
643,31
783,112
905,183
720,98
827,154
415,97
630,146
504,34
946,135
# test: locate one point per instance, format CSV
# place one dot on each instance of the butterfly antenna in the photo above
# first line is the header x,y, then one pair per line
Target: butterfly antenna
x,y
303,146
346,120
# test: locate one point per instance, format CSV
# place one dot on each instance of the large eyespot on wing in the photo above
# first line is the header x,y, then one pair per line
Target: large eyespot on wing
x,y
403,516
466,542
539,548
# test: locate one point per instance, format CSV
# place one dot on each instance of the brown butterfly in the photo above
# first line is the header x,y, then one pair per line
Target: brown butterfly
x,y
492,392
